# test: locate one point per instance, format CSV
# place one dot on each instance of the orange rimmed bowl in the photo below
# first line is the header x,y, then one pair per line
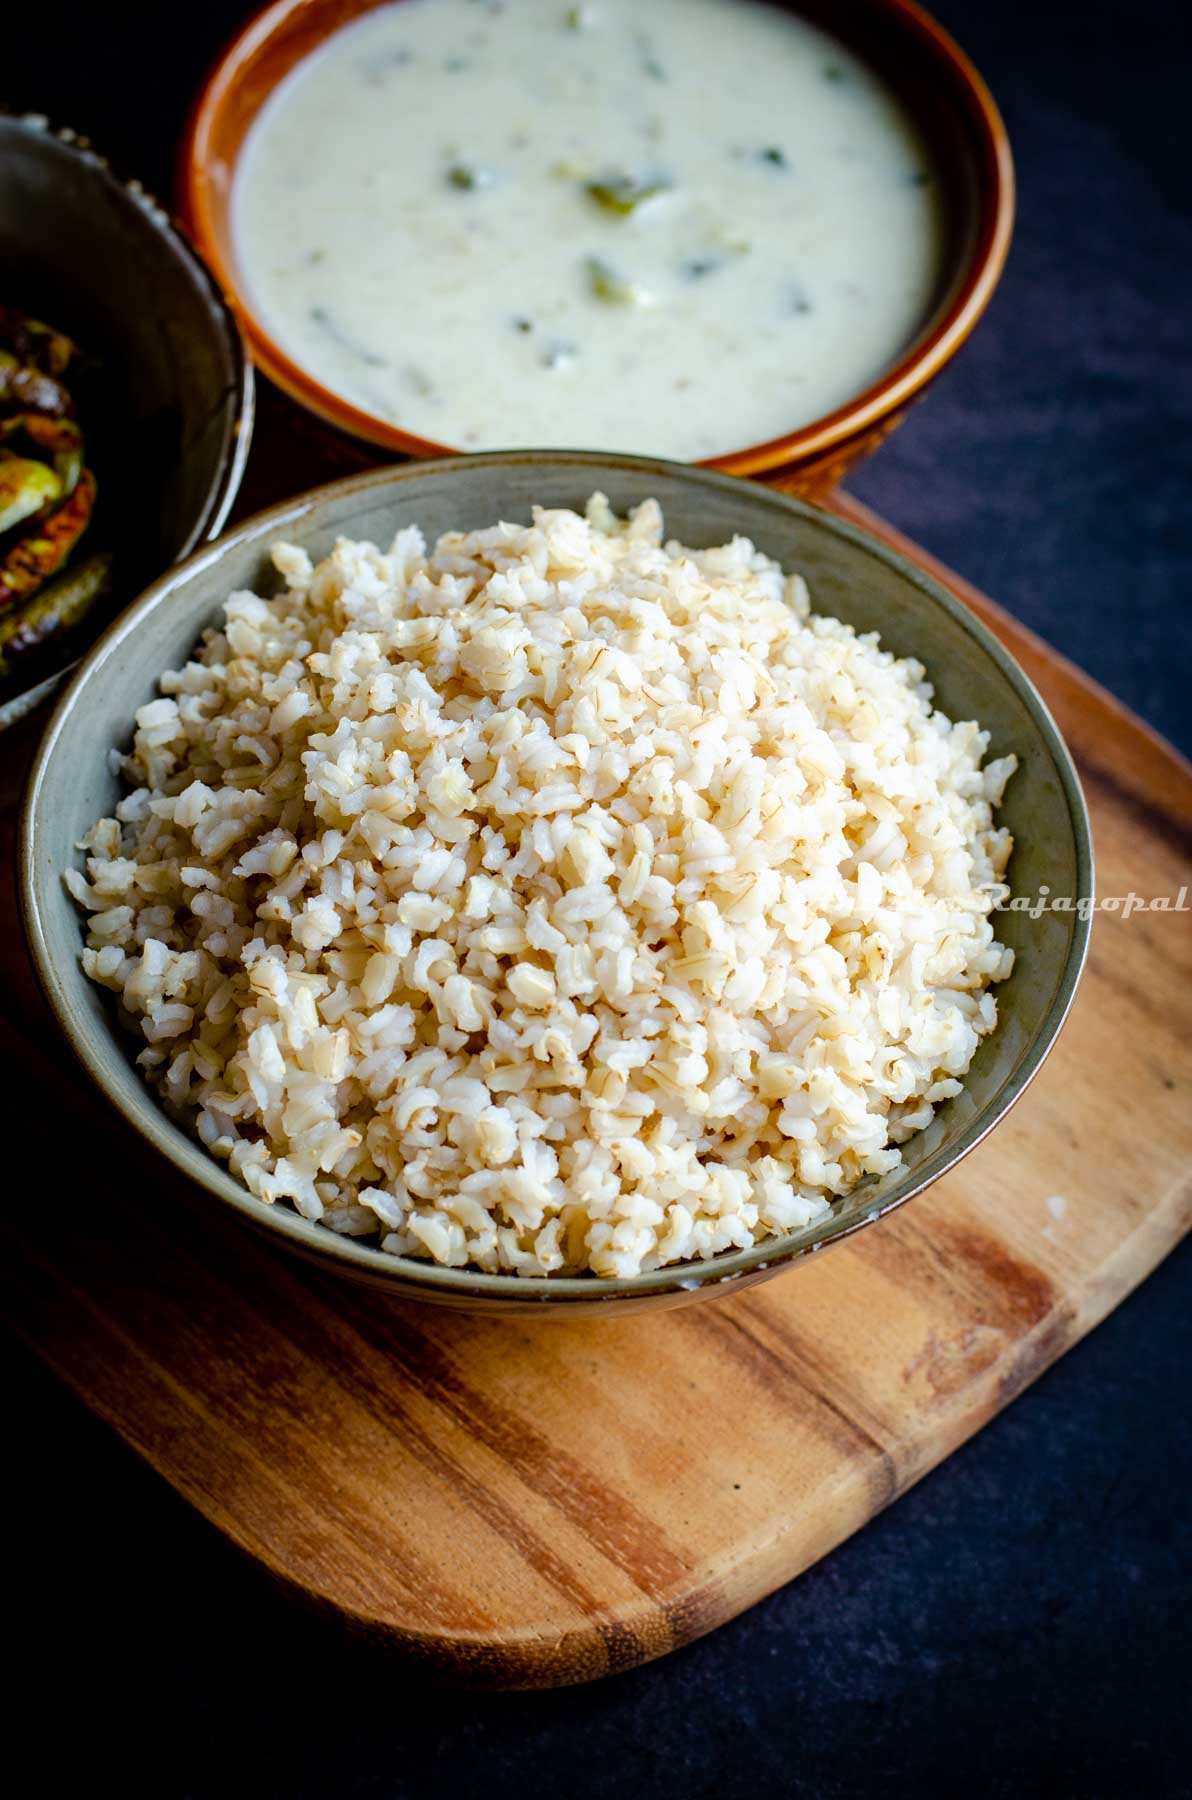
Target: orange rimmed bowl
x,y
917,58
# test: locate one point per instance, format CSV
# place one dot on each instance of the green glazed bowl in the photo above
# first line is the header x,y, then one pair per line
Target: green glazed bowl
x,y
849,573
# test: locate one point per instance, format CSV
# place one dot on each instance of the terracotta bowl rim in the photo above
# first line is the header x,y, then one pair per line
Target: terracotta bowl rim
x,y
893,390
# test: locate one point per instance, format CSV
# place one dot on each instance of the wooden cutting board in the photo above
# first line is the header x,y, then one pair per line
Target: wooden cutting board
x,y
528,1503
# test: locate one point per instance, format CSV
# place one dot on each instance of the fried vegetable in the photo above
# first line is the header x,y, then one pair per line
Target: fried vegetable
x,y
59,607
34,342
61,437
25,386
35,558
623,194
47,495
25,488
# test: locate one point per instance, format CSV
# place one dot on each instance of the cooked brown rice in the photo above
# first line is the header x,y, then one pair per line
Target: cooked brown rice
x,y
562,899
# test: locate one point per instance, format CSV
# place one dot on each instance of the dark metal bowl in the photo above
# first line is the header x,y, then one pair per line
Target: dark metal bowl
x,y
849,573
168,396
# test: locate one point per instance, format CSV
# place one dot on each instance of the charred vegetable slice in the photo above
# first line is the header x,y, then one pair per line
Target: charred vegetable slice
x,y
61,437
24,386
25,488
43,552
32,341
47,496
56,610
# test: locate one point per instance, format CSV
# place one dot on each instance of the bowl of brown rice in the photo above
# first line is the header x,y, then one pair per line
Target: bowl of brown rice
x,y
551,878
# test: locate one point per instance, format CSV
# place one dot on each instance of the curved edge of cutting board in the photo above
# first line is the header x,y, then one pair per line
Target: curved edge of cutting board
x,y
556,1647
827,1449
528,1504
551,1651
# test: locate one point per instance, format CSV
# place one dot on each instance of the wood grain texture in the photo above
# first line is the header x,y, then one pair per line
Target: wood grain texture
x,y
532,1502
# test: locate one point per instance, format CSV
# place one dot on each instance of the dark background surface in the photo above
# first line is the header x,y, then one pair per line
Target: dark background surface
x,y
1020,1622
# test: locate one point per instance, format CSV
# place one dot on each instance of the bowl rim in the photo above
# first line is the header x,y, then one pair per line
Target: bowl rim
x,y
238,399
407,1276
894,389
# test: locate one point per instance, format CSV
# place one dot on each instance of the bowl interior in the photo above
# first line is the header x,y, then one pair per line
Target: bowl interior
x,y
163,393
849,574
942,91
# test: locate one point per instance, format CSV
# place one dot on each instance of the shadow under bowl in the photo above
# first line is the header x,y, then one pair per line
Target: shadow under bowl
x,y
849,573
165,390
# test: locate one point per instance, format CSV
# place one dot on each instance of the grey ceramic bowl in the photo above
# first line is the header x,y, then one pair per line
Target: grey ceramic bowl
x,y
167,407
850,574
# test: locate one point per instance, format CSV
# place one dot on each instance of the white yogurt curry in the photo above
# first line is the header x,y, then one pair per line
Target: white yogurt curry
x,y
674,226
